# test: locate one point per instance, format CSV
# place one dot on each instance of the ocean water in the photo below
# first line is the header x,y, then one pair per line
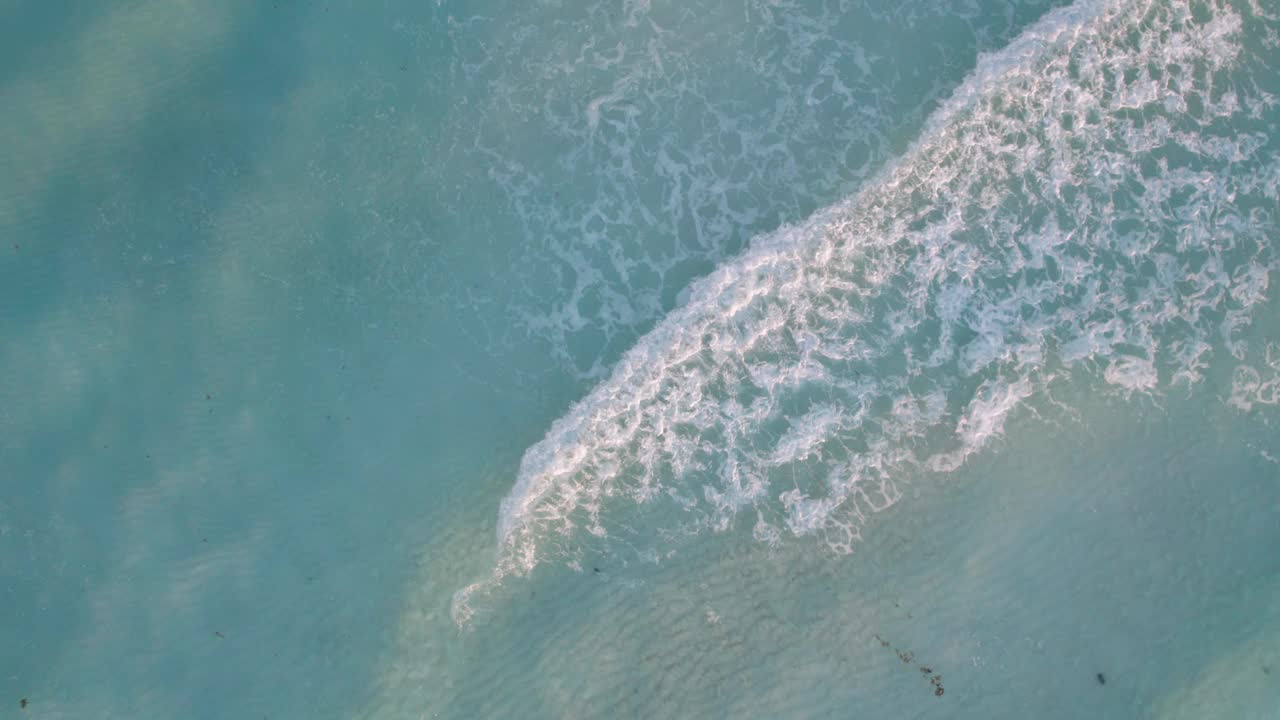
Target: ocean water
x,y
569,359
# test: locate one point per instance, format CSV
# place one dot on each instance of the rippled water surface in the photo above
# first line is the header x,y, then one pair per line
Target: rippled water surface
x,y
559,359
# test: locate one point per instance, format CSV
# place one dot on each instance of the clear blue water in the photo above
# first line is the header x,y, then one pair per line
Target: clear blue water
x,y
640,359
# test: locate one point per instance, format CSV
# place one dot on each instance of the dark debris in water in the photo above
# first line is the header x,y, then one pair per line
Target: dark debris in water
x,y
1102,679
908,657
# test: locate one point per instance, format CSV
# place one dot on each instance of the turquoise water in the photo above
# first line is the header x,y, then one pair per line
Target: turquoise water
x,y
640,359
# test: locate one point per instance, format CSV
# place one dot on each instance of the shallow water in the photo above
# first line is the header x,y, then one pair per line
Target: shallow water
x,y
640,359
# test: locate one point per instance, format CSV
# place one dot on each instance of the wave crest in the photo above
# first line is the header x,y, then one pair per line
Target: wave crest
x,y
1095,198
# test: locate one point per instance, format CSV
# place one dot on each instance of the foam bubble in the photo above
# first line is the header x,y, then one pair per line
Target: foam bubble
x,y
1132,373
1061,218
633,157
1250,386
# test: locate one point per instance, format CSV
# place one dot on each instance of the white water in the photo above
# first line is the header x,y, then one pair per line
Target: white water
x,y
1093,199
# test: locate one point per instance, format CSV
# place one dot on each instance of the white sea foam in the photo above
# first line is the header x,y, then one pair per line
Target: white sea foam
x,y
1250,387
635,155
1064,213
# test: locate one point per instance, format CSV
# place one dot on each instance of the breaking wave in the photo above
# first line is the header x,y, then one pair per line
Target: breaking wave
x,y
1097,200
